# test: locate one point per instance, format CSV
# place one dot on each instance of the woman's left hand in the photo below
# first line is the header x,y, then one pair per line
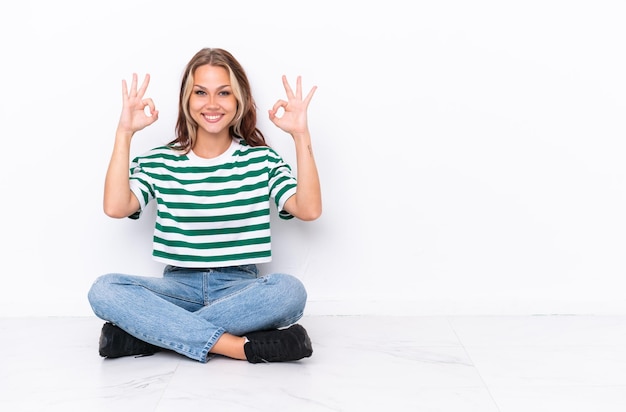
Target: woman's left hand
x,y
294,117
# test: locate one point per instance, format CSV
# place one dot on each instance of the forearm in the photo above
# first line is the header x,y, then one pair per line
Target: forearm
x,y
308,197
118,199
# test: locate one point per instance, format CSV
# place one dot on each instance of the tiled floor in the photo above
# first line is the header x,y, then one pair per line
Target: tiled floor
x,y
484,364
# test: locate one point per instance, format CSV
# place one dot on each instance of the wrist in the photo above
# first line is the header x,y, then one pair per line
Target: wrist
x,y
301,136
124,134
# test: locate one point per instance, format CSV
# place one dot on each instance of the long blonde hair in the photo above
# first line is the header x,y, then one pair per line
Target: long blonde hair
x,y
244,123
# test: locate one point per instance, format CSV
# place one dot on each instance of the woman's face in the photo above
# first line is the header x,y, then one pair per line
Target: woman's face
x,y
212,103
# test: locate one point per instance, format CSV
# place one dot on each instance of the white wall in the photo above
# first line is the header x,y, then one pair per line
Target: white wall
x,y
471,153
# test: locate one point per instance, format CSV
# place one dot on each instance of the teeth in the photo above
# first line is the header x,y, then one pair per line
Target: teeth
x,y
212,117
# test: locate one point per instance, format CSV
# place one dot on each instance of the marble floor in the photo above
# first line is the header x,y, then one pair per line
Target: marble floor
x,y
360,363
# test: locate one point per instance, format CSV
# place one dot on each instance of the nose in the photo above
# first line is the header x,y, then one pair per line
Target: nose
x,y
212,101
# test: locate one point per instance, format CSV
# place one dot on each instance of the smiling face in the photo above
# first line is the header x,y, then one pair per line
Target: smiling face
x,y
212,103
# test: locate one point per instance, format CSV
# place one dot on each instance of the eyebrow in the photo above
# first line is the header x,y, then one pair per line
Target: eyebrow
x,y
218,88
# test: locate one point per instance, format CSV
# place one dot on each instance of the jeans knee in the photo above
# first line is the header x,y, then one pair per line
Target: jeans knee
x,y
295,294
99,292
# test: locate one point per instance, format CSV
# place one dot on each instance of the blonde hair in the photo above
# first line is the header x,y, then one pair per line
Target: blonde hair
x,y
244,123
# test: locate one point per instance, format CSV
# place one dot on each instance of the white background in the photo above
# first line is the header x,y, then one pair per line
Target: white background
x,y
471,153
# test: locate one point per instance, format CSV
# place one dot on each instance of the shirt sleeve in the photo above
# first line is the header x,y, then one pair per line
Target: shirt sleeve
x,y
282,183
140,185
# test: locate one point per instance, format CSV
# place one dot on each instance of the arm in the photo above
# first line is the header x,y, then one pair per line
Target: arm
x,y
119,201
306,204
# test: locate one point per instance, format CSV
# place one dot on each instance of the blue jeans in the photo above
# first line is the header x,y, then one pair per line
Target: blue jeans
x,y
188,309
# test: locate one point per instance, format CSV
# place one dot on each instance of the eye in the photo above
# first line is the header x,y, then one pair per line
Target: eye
x,y
225,93
199,92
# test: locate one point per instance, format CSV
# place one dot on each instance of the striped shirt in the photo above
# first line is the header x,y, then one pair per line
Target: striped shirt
x,y
212,212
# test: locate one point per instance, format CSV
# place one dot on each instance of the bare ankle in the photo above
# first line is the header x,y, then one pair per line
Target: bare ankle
x,y
230,346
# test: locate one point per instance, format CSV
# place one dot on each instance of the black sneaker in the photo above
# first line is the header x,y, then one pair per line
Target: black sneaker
x,y
115,343
278,345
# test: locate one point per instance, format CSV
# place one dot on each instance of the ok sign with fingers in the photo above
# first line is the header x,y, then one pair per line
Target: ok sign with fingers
x,y
134,116
294,117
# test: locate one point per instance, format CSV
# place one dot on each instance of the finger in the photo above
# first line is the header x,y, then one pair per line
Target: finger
x,y
287,87
124,89
278,105
299,88
275,110
150,104
310,95
133,85
144,85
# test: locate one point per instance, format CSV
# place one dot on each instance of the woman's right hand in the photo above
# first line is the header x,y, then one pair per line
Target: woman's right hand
x,y
134,116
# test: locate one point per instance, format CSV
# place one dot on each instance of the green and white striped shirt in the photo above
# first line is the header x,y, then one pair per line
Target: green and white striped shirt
x,y
212,212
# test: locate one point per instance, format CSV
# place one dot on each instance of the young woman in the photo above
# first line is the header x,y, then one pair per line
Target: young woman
x,y
213,185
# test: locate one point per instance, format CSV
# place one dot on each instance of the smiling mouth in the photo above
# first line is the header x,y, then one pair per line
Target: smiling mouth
x,y
212,118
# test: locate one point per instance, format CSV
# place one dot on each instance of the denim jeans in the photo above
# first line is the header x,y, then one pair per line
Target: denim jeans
x,y
188,309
